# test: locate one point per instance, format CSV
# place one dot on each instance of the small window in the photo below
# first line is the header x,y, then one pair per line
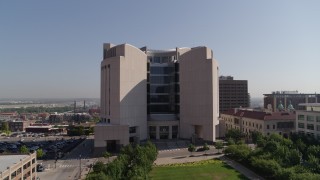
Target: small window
x,y
301,125
132,130
310,126
13,175
310,118
301,117
268,127
273,126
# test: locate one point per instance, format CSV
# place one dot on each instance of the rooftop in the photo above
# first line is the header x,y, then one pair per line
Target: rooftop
x,y
9,160
310,104
262,115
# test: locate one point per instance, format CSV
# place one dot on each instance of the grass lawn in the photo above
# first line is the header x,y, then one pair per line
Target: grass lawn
x,y
208,169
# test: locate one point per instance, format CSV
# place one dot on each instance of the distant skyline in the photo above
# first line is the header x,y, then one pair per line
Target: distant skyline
x,y
53,49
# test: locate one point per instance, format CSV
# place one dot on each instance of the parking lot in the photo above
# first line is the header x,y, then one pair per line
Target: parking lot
x,y
54,147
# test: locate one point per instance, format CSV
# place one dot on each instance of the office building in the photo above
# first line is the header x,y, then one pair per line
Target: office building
x,y
308,120
247,121
17,125
233,93
281,100
18,166
157,94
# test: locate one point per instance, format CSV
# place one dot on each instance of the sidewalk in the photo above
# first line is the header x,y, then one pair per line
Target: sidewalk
x,y
184,159
243,170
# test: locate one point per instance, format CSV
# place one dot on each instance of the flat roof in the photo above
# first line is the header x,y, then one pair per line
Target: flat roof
x,y
301,94
9,160
310,104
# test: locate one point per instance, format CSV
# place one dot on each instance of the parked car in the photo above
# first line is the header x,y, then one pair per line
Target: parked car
x,y
40,168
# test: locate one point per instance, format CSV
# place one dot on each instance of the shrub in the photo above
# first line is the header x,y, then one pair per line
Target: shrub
x,y
98,167
267,167
191,148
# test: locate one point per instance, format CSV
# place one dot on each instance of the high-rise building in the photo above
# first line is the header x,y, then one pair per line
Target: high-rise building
x,y
233,93
157,94
282,100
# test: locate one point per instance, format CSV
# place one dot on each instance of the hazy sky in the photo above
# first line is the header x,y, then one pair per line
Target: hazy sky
x,y
54,48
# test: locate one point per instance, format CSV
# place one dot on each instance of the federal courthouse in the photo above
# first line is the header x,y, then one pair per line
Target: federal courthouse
x,y
157,94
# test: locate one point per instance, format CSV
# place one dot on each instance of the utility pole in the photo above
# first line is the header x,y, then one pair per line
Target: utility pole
x,y
55,152
80,166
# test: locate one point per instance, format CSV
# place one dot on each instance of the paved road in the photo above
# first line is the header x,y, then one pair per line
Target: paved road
x,y
69,166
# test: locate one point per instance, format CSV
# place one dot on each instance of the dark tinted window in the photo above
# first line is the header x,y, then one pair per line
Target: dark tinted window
x,y
160,79
159,98
161,70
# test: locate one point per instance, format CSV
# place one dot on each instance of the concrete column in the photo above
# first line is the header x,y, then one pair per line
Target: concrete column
x,y
274,104
285,102
306,99
170,132
157,132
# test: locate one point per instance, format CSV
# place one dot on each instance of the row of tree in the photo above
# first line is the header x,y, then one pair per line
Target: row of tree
x,y
276,157
24,150
38,109
133,162
79,130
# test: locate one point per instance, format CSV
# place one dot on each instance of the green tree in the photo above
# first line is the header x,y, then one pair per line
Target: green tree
x,y
40,153
261,142
294,157
313,163
230,141
314,150
133,162
218,145
271,146
98,167
276,137
300,145
239,152
106,155
255,136
97,176
235,134
191,148
206,148
4,126
24,149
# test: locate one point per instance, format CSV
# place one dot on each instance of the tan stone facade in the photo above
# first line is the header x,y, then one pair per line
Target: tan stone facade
x,y
155,94
123,96
18,167
199,102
